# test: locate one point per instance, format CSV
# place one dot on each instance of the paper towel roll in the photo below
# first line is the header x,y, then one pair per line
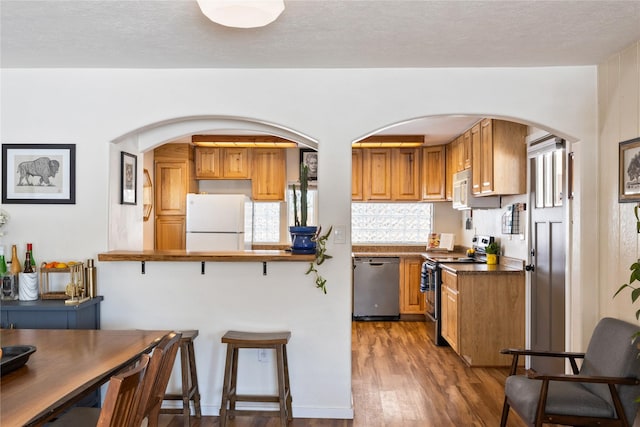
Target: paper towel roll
x,y
28,287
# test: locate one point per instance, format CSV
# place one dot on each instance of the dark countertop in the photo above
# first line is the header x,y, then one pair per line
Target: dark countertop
x,y
464,268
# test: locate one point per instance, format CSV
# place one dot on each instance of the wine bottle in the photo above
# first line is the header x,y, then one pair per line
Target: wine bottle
x,y
28,268
7,293
3,262
30,250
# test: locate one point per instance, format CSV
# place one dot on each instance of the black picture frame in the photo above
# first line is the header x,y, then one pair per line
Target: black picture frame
x,y
128,178
38,173
309,157
629,171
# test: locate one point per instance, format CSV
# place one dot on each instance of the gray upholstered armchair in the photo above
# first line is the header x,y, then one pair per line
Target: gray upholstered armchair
x,y
602,392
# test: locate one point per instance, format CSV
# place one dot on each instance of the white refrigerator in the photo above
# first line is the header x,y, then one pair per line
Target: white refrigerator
x,y
219,222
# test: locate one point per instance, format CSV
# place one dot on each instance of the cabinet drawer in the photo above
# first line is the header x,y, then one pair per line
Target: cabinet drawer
x,y
450,280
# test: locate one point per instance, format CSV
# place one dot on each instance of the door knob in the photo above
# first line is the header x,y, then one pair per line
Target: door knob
x,y
530,267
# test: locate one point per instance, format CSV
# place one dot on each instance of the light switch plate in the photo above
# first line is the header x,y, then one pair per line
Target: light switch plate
x,y
340,234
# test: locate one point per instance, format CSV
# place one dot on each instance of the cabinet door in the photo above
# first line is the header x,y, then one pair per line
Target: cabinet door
x,y
208,164
467,149
476,160
449,308
411,299
268,176
377,181
170,232
236,163
449,172
405,179
171,187
486,156
356,174
452,318
458,154
433,173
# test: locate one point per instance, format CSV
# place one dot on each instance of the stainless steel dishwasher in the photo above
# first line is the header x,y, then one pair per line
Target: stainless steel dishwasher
x,y
376,288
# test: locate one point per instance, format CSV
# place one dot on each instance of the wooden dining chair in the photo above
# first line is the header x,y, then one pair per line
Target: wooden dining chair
x,y
123,395
156,380
120,403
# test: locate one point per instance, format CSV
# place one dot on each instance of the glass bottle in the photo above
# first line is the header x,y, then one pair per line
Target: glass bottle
x,y
3,262
13,275
16,268
28,267
30,250
4,277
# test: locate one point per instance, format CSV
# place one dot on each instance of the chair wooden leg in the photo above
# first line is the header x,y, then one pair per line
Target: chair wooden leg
x,y
505,413
233,388
226,386
286,383
194,380
282,391
184,365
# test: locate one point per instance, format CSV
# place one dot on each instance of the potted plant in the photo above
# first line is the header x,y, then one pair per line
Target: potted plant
x,y
308,239
492,250
302,236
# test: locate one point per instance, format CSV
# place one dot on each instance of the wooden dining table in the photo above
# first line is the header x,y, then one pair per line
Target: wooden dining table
x,y
66,366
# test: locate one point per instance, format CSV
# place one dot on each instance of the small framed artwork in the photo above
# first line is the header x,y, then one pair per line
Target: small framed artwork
x,y
39,173
128,178
629,171
310,158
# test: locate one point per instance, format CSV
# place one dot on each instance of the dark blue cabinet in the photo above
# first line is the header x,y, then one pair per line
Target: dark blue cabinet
x,y
53,314
50,314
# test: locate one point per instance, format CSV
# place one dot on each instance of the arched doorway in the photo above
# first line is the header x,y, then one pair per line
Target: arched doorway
x,y
127,230
486,221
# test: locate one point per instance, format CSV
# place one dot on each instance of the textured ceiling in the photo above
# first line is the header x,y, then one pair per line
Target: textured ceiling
x,y
320,34
316,33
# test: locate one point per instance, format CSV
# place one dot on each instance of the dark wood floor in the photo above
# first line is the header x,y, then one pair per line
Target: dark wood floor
x,y
400,378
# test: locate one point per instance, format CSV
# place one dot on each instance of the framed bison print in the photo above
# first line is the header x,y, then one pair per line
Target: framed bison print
x,y
39,173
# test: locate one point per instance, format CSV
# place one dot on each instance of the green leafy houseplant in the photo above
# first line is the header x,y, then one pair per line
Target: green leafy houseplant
x,y
492,248
309,239
321,256
635,291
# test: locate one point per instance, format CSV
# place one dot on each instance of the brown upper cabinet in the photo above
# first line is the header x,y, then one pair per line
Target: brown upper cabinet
x,y
223,163
433,173
405,169
356,174
377,174
269,174
499,158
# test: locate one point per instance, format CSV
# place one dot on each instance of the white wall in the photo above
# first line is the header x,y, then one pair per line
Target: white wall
x,y
92,108
619,120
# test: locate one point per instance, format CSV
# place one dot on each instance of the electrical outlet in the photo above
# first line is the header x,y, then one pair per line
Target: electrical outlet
x,y
263,355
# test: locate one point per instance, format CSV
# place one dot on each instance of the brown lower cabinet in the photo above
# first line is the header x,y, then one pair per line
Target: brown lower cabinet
x,y
483,313
411,299
171,232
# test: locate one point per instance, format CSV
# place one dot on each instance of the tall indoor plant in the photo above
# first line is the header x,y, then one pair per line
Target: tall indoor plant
x,y
302,236
307,239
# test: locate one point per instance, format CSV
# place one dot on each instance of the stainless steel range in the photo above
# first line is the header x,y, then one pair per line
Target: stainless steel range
x,y
431,280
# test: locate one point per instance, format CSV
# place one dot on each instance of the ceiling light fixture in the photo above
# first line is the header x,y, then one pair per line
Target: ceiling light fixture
x,y
242,13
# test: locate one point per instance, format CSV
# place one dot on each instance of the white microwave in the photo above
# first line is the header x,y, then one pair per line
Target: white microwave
x,y
463,197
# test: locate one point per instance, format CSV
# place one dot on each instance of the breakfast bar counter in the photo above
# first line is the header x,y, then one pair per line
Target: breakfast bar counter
x,y
183,255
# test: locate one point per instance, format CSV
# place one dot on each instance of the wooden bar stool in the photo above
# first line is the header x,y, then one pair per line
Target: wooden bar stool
x,y
190,389
236,340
